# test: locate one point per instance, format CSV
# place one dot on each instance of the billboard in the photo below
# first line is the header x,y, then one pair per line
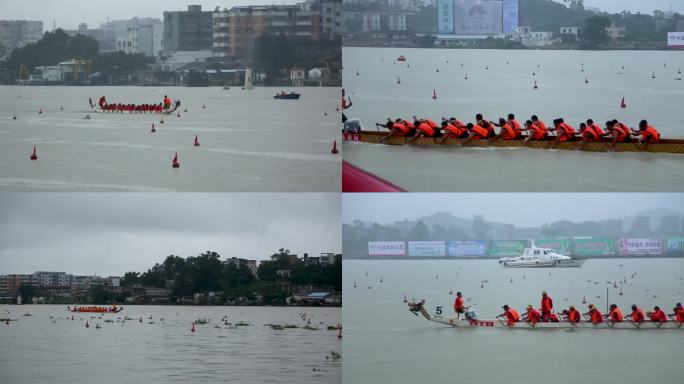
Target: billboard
x,y
510,16
427,248
560,246
506,247
675,243
593,247
386,248
475,17
467,248
445,16
675,39
645,246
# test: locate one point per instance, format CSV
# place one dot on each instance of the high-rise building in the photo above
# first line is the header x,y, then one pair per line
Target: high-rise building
x,y
669,225
142,36
510,16
189,30
16,33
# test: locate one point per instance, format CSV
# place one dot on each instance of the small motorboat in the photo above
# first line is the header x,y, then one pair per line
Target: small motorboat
x,y
287,96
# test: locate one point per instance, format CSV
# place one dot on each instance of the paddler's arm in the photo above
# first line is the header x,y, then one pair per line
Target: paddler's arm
x,y
468,139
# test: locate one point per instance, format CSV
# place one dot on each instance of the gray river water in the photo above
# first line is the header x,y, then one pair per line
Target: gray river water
x,y
508,88
41,349
248,141
384,343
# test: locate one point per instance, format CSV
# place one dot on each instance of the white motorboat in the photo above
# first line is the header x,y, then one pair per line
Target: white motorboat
x,y
535,257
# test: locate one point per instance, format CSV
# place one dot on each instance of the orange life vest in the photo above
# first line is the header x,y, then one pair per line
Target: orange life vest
x,y
546,304
597,129
426,129
566,132
453,130
574,316
480,133
512,315
408,124
516,127
590,134
432,124
403,130
616,315
458,304
650,135
507,132
679,316
659,316
533,315
622,132
596,316
638,315
539,130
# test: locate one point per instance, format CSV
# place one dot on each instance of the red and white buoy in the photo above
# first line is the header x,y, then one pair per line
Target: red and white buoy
x,y
622,103
153,130
34,156
196,140
174,164
193,328
434,95
334,150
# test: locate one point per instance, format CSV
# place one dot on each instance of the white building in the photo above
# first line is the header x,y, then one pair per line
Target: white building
x,y
396,21
530,38
170,60
142,36
17,33
371,22
52,278
50,74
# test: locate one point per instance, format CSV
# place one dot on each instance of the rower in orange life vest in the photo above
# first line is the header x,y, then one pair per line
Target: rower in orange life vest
x,y
594,314
484,123
615,314
657,315
458,305
507,132
564,132
637,315
618,132
397,128
532,316
572,315
515,125
511,315
649,135
475,132
546,306
678,314
535,131
589,135
167,102
424,127
454,129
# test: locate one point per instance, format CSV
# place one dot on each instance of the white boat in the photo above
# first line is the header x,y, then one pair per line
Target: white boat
x,y
419,308
535,257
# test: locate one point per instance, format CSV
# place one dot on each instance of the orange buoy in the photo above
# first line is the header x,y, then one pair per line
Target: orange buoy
x,y
153,130
622,103
334,148
193,328
34,156
196,141
434,95
174,164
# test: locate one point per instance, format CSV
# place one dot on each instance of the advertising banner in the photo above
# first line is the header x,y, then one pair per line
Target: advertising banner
x,y
386,248
427,248
593,247
502,248
467,248
510,16
646,246
675,243
560,246
675,39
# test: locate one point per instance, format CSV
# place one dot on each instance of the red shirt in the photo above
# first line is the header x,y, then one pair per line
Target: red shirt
x,y
458,304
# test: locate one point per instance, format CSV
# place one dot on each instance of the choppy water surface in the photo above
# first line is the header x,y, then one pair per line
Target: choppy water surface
x,y
385,343
248,141
43,349
508,88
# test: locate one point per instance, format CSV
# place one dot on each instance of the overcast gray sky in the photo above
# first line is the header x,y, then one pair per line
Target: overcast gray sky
x,y
109,234
521,209
68,14
643,6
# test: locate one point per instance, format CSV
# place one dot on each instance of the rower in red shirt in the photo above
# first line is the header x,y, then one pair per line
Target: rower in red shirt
x,y
511,315
546,306
637,315
533,316
594,314
678,313
458,305
657,315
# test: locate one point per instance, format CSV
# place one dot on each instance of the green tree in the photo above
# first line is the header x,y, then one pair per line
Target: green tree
x,y
26,292
595,31
420,232
129,279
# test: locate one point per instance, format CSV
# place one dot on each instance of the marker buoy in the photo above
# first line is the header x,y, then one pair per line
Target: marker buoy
x,y
437,69
584,299
586,80
339,333
61,108
614,284
40,111
481,285
398,80
178,114
174,164
193,328
196,141
357,72
140,321
466,76
620,293
534,73
622,103
185,110
14,117
204,106
33,155
161,121
325,113
535,84
334,148
87,325
653,75
486,67
434,95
